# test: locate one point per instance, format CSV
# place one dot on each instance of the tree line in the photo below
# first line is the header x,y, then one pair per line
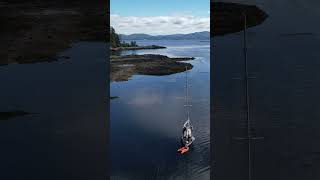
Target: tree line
x,y
116,41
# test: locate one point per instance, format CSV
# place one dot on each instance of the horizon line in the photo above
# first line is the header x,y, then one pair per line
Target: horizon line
x,y
163,34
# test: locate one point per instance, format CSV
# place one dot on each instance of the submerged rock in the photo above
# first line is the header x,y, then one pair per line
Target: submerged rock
x,y
12,114
114,97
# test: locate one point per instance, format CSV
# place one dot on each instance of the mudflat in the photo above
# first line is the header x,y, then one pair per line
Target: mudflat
x,y
35,31
123,67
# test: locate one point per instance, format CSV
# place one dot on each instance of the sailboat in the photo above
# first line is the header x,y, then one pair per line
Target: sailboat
x,y
187,137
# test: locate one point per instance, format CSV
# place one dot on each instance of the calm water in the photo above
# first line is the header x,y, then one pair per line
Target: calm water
x,y
66,137
147,119
284,88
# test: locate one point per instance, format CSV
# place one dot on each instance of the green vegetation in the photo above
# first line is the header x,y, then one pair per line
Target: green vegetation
x,y
115,40
131,44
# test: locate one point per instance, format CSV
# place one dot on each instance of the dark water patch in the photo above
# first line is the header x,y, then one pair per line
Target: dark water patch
x,y
306,34
69,129
12,114
229,17
283,56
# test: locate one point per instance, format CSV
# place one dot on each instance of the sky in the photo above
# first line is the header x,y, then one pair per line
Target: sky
x,y
160,17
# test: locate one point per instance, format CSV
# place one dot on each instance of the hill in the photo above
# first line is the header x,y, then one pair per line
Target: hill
x,y
204,35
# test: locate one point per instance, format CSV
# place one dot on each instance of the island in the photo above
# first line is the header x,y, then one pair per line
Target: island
x,y
117,45
136,48
123,67
37,31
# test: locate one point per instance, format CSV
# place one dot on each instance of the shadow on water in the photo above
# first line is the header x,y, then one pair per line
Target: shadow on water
x,y
228,17
283,63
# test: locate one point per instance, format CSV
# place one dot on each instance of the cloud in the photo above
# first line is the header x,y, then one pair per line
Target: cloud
x,y
159,25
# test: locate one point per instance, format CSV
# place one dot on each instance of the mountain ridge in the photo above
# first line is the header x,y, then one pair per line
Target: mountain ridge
x,y
203,35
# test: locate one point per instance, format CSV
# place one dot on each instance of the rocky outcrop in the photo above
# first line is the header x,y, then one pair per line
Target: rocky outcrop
x,y
123,67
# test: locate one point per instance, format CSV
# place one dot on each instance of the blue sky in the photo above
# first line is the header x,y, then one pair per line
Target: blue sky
x,y
157,17
160,7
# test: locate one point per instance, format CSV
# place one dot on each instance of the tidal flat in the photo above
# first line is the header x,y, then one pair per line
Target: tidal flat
x,y
36,31
123,67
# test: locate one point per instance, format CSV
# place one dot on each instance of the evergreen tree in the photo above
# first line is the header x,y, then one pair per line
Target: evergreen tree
x,y
133,43
114,38
116,42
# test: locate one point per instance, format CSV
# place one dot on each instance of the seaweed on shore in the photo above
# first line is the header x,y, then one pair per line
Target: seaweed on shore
x,y
36,31
123,67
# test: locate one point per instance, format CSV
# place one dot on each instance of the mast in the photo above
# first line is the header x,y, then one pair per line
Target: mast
x,y
187,96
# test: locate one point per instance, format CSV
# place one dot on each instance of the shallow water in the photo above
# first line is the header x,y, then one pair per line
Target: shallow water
x,y
65,138
147,118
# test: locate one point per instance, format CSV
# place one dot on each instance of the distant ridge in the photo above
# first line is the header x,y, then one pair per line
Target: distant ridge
x,y
204,35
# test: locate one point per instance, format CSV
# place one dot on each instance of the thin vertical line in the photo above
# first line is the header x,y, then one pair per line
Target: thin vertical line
x,y
187,95
247,96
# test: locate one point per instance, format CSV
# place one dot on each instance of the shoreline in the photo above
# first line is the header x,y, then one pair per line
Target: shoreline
x,y
137,48
37,31
123,67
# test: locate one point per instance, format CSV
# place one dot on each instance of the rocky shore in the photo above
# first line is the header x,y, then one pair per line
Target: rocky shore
x,y
35,31
123,67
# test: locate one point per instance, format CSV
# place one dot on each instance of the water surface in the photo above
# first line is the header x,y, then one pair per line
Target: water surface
x,y
147,119
283,62
66,136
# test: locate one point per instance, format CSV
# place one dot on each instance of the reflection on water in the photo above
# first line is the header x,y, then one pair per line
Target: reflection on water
x,y
146,121
284,88
228,17
64,136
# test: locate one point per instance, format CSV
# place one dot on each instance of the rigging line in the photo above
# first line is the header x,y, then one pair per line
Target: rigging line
x,y
249,136
247,96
